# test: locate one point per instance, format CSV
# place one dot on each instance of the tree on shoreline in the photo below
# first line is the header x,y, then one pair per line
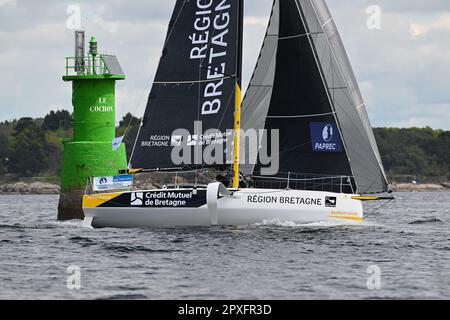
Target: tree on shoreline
x,y
422,153
61,119
28,156
4,153
129,126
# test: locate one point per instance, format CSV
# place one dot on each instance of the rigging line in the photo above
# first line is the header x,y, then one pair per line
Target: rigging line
x,y
295,36
293,148
132,119
227,107
138,103
360,144
327,22
262,48
375,180
302,116
140,126
329,67
194,81
224,76
292,179
172,170
243,191
379,208
174,25
170,31
331,58
251,84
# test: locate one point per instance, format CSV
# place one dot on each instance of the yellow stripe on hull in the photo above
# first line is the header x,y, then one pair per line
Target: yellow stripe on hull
x,y
347,215
348,218
96,200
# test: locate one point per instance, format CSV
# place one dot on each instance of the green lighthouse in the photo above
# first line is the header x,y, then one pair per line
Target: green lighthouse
x,y
90,153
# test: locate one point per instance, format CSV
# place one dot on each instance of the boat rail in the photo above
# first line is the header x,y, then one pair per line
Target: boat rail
x,y
202,177
164,180
302,181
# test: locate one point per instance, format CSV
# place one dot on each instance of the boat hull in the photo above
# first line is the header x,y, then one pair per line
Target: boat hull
x,y
213,206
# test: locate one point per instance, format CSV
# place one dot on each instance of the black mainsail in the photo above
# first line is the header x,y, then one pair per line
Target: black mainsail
x,y
195,81
304,86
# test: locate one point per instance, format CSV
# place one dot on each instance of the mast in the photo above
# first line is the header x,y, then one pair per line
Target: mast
x,y
238,98
237,137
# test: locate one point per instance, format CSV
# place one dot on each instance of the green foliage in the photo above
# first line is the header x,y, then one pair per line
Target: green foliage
x,y
28,156
5,147
419,154
24,124
54,162
129,126
60,119
30,150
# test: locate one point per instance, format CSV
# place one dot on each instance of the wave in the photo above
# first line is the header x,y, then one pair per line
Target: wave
x,y
74,224
11,226
125,297
116,247
22,227
84,242
124,248
428,221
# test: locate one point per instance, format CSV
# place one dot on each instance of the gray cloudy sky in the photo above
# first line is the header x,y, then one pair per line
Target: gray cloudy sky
x,y
403,68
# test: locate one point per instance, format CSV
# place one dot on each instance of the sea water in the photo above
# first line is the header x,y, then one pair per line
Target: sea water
x,y
401,251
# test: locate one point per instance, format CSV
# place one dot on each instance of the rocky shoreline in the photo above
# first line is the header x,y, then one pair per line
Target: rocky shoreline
x,y
420,187
28,188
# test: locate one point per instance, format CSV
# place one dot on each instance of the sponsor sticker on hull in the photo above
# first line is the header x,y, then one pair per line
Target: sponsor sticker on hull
x,y
284,200
160,199
113,183
330,202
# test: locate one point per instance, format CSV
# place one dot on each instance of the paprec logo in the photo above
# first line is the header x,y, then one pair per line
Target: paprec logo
x,y
325,137
327,133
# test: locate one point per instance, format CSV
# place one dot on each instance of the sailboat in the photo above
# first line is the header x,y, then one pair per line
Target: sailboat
x,y
303,92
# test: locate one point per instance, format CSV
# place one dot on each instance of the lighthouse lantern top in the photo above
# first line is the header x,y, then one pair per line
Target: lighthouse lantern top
x,y
92,66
